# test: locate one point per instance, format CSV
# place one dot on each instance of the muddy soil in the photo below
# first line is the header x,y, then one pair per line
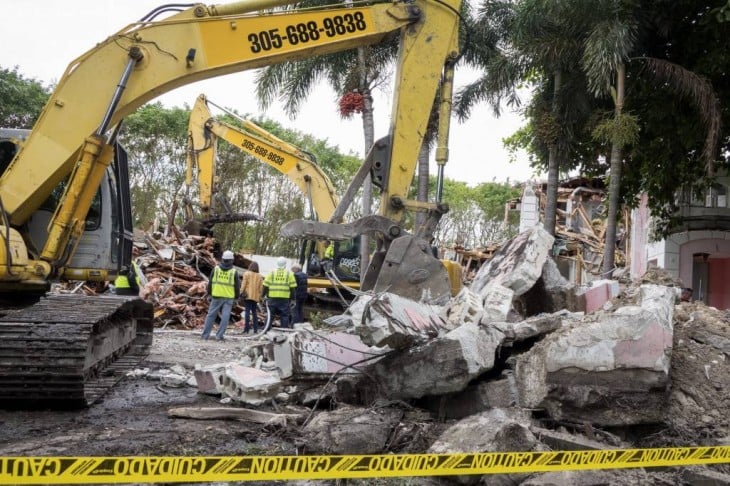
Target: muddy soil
x,y
132,418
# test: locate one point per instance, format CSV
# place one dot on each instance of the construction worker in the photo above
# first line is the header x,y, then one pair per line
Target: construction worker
x,y
279,286
127,281
329,256
300,293
223,287
329,250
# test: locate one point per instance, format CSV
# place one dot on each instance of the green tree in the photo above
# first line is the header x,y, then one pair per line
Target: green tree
x,y
677,150
156,138
610,46
535,42
21,99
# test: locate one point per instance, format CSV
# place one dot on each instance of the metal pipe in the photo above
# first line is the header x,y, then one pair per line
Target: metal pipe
x,y
135,54
442,149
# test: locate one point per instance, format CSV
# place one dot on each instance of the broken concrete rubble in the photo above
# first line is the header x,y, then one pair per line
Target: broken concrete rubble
x,y
209,379
467,306
351,430
599,293
443,365
497,300
390,320
250,385
495,430
551,293
613,370
477,357
518,264
477,398
530,327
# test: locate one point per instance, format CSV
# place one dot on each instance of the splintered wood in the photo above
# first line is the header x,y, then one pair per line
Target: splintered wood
x,y
175,272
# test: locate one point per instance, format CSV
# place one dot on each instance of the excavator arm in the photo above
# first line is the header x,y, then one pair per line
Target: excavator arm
x,y
65,359
203,134
299,167
149,58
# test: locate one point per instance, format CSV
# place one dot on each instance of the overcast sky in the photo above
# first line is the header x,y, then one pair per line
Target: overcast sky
x,y
42,37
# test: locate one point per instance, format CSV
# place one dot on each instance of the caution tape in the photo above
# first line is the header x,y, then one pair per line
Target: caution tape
x,y
89,470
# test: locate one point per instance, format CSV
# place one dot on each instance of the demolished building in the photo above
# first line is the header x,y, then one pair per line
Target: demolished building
x,y
514,362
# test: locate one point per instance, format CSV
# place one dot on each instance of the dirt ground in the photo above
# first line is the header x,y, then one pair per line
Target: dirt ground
x,y
132,418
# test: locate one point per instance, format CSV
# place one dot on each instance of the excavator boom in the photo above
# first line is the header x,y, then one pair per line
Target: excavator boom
x,y
72,143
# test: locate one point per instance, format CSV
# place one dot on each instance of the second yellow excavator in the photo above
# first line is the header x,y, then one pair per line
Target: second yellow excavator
x,y
300,167
64,192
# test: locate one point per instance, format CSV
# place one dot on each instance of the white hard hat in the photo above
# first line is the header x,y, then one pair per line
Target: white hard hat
x,y
281,262
228,255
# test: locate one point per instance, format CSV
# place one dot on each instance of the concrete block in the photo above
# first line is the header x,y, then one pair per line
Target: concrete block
x,y
518,264
600,292
443,365
250,385
497,302
610,370
326,353
394,321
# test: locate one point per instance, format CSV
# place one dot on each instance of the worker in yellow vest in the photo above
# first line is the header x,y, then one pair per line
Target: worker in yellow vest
x,y
127,281
223,287
279,287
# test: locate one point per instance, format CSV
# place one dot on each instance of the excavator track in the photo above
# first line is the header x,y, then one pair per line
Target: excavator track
x,y
66,351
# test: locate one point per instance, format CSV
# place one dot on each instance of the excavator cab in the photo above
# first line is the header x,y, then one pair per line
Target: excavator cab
x,y
106,242
343,266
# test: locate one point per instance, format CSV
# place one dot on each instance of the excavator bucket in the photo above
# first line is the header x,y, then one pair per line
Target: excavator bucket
x,y
409,269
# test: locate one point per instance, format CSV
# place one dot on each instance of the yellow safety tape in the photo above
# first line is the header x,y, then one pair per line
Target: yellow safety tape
x,y
89,470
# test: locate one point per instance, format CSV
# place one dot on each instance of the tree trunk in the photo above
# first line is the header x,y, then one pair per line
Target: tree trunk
x,y
368,128
614,188
551,196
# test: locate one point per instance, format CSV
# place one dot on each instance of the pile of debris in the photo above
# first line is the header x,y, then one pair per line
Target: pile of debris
x,y
513,363
174,274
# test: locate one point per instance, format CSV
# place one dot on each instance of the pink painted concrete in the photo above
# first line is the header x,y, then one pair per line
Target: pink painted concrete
x,y
645,351
328,353
598,294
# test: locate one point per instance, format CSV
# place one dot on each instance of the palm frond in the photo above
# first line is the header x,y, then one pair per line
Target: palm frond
x,y
700,92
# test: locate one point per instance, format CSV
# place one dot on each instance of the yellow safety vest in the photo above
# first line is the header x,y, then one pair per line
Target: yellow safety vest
x,y
136,274
223,283
122,282
280,283
329,252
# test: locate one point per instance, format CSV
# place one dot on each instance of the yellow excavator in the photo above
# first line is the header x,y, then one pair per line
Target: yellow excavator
x,y
298,166
64,193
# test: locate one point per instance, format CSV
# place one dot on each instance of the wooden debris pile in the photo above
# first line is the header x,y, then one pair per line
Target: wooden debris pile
x,y
470,259
175,278
581,227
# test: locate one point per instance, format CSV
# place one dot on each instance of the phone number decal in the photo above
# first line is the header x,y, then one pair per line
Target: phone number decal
x,y
304,32
262,152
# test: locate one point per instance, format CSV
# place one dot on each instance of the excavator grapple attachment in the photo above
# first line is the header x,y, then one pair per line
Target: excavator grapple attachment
x,y
409,269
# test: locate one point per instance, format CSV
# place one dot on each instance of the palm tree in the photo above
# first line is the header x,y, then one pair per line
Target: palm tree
x,y
609,46
536,42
